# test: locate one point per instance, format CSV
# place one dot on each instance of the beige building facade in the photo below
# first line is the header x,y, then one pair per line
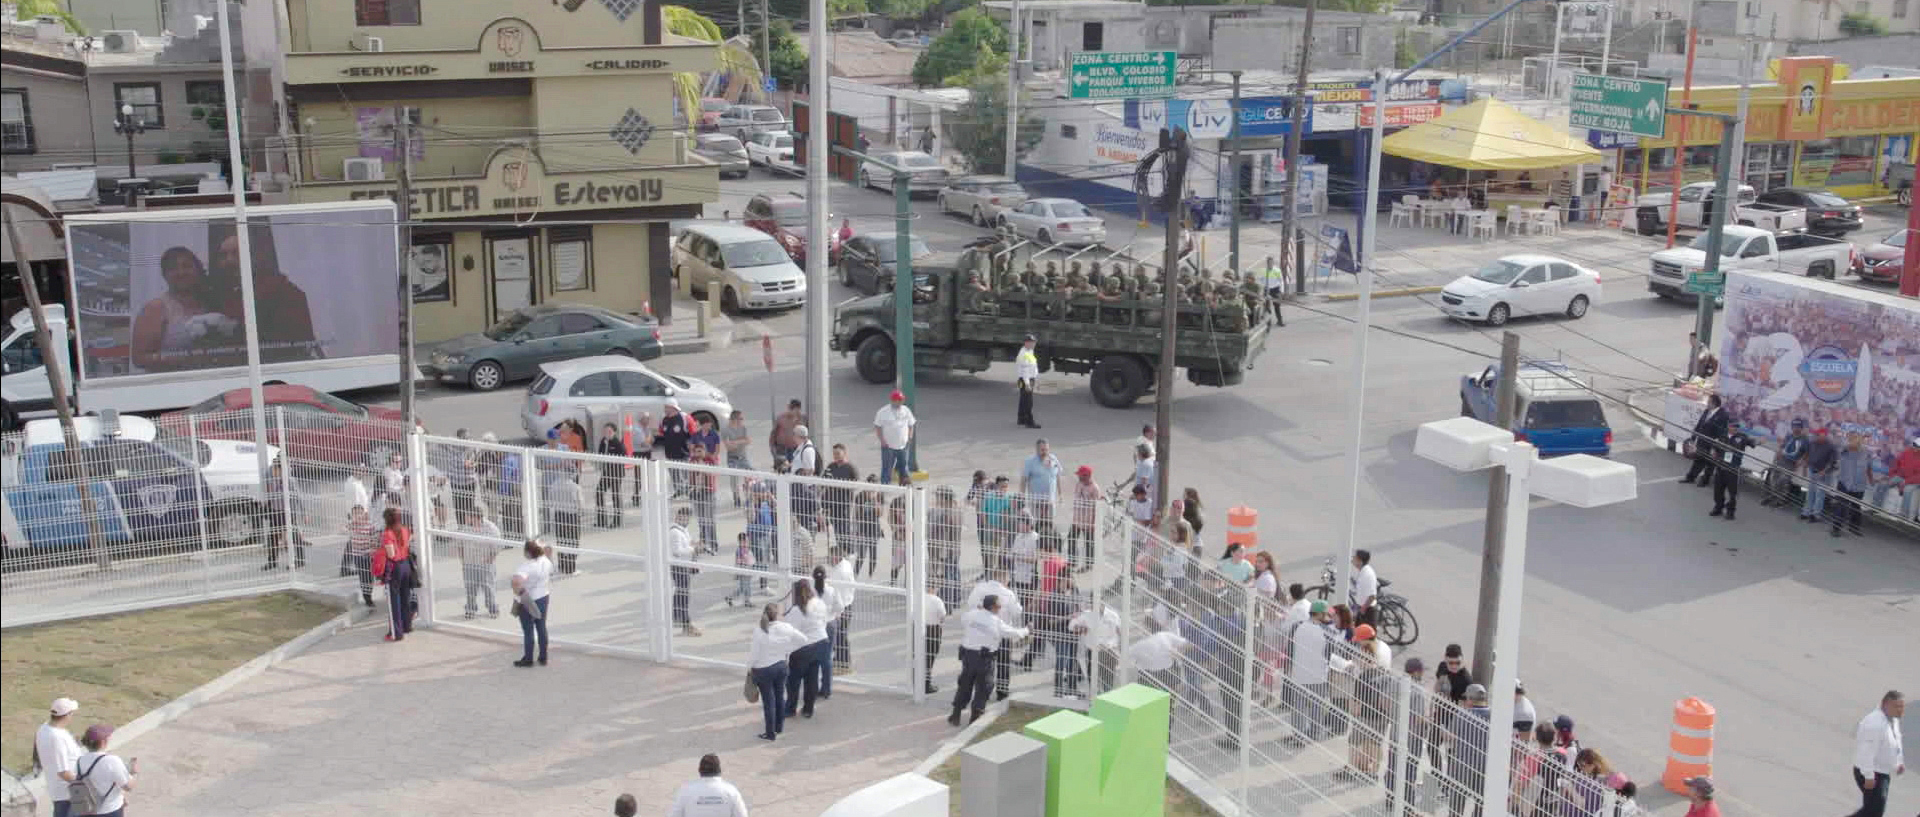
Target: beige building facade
x,y
545,153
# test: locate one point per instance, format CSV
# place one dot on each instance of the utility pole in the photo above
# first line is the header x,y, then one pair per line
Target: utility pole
x,y
1680,140
243,239
1723,203
1493,552
1013,89
1289,237
766,51
57,383
403,197
818,408
1233,161
1173,164
903,362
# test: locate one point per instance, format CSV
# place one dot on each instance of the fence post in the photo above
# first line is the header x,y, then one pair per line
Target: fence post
x,y
653,535
285,486
529,492
422,522
1397,747
783,531
1249,666
917,592
1123,673
200,501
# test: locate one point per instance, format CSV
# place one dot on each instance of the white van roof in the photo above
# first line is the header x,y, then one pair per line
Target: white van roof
x,y
89,428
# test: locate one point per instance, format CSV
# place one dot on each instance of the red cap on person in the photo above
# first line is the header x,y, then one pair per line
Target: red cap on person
x,y
1084,470
897,396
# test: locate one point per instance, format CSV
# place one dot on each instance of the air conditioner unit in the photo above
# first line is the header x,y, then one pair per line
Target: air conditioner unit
x,y
1164,34
364,170
368,42
120,42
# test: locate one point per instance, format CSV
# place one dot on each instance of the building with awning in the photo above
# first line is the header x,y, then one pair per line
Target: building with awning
x,y
1489,135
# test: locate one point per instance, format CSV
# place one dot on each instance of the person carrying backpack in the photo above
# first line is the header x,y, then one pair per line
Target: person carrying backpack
x,y
101,780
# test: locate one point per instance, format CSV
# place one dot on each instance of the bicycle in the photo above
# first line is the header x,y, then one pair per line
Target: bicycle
x,y
1393,618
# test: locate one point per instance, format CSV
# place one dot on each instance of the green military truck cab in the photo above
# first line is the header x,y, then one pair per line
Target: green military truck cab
x,y
959,323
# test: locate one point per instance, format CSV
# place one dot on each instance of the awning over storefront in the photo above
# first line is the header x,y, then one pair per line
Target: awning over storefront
x,y
1489,135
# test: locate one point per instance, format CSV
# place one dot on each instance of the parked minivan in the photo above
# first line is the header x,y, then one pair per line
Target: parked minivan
x,y
751,268
1554,409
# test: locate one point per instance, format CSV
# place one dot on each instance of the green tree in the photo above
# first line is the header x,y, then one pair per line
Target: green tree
x,y
1854,24
29,9
789,59
980,128
959,47
685,22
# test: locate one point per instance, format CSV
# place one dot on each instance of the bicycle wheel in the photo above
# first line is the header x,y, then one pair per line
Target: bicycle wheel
x,y
1397,625
1321,592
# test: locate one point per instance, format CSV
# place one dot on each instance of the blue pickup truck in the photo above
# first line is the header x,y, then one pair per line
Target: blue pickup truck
x,y
149,487
1553,409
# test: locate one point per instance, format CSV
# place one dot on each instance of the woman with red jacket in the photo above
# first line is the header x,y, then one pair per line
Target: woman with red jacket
x,y
392,562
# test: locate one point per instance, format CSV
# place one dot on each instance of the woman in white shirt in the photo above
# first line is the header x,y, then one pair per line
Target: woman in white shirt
x,y
107,775
809,614
773,640
530,595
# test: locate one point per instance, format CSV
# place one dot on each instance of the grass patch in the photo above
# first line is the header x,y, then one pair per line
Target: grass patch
x,y
121,667
1180,803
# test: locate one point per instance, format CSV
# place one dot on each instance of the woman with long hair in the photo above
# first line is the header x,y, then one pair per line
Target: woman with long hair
x,y
773,640
809,614
1191,509
1584,792
171,327
393,564
530,599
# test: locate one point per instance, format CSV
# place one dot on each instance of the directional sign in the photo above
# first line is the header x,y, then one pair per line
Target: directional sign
x,y
1122,74
1636,106
1700,283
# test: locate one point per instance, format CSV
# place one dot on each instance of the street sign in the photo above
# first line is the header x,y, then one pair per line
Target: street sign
x,y
769,85
1700,283
1121,74
1636,106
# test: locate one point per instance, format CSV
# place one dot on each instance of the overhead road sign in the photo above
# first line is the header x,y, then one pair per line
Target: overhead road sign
x,y
1620,104
1122,74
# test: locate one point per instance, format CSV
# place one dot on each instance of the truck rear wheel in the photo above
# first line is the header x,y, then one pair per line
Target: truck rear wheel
x,y
874,359
1118,381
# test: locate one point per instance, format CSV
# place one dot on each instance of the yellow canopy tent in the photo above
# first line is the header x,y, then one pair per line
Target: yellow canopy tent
x,y
1489,135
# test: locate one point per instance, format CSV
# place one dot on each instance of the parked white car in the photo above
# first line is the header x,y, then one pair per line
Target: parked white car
x,y
749,267
743,121
772,150
1055,222
981,198
611,388
1519,285
926,175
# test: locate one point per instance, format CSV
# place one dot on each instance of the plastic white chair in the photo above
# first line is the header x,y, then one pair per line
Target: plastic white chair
x,y
1483,223
1433,214
1516,223
1402,211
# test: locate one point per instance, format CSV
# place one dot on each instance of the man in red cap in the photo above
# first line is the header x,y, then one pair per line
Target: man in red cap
x,y
893,427
1087,498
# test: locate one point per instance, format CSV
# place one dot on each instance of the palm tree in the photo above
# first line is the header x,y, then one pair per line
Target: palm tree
x,y
29,9
739,62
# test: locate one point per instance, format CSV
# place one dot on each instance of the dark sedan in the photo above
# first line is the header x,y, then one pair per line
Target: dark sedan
x,y
514,348
1827,214
867,260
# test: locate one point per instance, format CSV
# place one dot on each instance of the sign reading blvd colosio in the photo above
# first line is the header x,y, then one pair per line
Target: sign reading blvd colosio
x,y
1121,74
1619,104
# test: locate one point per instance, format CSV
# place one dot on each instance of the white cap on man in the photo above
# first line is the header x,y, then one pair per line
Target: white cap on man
x,y
63,707
800,431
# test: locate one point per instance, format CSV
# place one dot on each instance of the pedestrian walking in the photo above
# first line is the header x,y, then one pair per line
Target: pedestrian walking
x,y
863,533
1155,656
477,552
809,614
393,563
1906,473
1878,754
703,490
55,752
1851,476
680,547
772,641
672,437
1467,762
1419,730
1700,790
1224,617
101,779
944,523
1026,372
842,574
1363,587
1040,482
566,502
1726,475
735,439
1143,469
933,615
806,456
1097,630
610,476
985,634
837,496
1191,510
1788,466
893,428
742,583
1088,496
1010,611
391,484
782,442
1309,661
708,796
359,550
532,600
1823,460
1708,431
639,440
998,505
280,517
763,529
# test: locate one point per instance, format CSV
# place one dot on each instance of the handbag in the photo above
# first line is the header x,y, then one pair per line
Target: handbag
x,y
752,690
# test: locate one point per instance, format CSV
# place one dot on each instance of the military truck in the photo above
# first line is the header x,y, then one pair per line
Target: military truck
x,y
1106,322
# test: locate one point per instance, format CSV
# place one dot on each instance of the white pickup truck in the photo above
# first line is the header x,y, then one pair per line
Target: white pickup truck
x,y
1651,211
1749,249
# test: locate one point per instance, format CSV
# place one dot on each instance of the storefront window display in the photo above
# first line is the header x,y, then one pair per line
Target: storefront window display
x,y
1768,165
1699,166
1837,162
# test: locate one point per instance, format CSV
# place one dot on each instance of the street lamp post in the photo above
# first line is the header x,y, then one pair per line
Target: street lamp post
x,y
129,127
1580,480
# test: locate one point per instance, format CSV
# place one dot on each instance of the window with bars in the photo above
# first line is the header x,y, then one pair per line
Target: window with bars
x,y
16,122
386,12
145,99
1350,40
1899,9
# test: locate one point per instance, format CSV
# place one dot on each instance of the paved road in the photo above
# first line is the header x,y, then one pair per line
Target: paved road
x,y
1791,635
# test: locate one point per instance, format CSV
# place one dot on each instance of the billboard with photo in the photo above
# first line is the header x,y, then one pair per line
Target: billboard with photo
x,y
1841,358
159,292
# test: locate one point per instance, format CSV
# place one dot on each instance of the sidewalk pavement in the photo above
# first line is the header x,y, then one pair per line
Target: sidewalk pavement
x,y
683,335
441,724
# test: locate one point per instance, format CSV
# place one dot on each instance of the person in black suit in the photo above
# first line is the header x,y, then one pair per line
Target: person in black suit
x,y
1708,433
1726,478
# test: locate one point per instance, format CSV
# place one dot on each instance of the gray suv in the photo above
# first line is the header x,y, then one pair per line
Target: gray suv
x,y
743,121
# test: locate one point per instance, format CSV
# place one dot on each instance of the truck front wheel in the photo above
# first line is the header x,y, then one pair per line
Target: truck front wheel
x,y
874,359
1118,381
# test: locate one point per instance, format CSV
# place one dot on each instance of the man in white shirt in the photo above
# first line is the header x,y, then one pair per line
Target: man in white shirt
x,y
1154,656
1026,373
1010,610
806,457
1363,587
1098,627
56,751
709,796
932,615
680,546
893,427
1878,754
1311,654
840,583
985,634
1147,438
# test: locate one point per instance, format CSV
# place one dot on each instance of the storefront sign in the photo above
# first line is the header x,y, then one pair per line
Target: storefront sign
x,y
1119,144
388,71
1361,90
1347,116
1851,117
1271,116
1609,140
516,182
645,191
1805,81
627,65
1402,116
506,47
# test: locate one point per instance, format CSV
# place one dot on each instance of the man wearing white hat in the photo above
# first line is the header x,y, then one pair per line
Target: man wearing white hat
x,y
806,456
56,752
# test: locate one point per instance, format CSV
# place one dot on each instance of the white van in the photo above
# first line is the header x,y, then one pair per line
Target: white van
x,y
751,268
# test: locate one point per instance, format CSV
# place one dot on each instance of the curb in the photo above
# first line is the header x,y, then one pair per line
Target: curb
x,y
1384,293
954,744
139,727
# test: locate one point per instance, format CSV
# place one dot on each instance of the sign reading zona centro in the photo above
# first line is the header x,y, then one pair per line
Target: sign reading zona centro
x,y
1121,74
1620,104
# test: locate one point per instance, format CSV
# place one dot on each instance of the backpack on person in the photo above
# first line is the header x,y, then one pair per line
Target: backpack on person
x,y
81,796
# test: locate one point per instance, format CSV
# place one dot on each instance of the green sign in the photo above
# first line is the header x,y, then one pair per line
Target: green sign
x,y
1700,282
1620,104
1121,74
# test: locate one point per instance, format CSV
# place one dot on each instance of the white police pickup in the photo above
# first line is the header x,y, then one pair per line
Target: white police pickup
x,y
149,486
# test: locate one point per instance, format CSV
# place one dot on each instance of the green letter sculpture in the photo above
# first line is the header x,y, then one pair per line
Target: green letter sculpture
x,y
1113,764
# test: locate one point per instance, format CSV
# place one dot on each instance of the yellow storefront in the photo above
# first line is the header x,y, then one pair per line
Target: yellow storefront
x,y
1804,130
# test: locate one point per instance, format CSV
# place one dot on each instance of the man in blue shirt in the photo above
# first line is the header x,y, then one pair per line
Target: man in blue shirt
x,y
1040,482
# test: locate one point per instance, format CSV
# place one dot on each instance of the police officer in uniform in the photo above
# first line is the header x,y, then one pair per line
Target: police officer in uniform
x,y
1726,477
1026,371
983,633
